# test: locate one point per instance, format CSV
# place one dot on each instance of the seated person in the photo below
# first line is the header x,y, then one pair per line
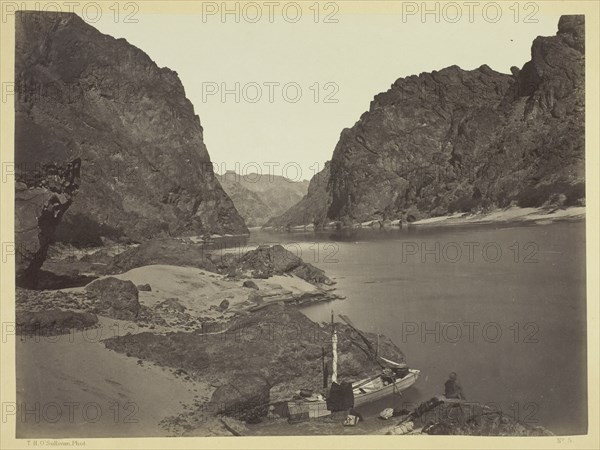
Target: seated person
x,y
387,376
401,371
452,389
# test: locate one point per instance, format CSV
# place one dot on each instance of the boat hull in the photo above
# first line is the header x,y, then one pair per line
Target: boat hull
x,y
392,388
318,408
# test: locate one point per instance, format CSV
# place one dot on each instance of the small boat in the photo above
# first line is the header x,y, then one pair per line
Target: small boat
x,y
374,388
365,391
393,379
396,378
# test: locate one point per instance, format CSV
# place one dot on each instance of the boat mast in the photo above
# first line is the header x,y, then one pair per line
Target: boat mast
x,y
333,351
325,369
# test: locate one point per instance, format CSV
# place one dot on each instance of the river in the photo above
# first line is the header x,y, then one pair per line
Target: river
x,y
503,306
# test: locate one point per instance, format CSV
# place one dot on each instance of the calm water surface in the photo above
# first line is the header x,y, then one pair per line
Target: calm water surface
x,y
504,307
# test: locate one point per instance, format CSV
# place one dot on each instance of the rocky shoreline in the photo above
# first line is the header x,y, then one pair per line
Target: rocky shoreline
x,y
232,336
540,215
246,279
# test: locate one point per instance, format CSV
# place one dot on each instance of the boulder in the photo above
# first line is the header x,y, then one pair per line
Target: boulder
x,y
224,305
254,297
312,274
144,287
116,298
172,304
245,397
250,284
266,261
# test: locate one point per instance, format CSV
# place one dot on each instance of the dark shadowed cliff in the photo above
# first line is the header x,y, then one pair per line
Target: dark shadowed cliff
x,y
457,140
145,170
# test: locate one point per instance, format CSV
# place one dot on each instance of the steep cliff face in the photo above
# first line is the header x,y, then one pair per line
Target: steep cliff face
x,y
456,140
258,197
405,151
145,168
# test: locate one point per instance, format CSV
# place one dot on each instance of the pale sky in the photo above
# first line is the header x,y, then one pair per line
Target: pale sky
x,y
359,56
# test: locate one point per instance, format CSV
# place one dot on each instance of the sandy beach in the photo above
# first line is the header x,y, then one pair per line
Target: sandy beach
x,y
513,214
72,386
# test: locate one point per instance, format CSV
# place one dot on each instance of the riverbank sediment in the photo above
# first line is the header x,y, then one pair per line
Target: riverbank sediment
x,y
540,215
214,336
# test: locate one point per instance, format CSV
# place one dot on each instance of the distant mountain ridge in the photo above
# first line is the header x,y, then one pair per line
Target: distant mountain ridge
x,y
258,197
312,208
462,140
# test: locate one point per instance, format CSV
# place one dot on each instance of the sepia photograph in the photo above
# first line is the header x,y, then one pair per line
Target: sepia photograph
x,y
372,222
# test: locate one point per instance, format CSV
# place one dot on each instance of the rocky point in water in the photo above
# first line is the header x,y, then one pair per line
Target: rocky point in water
x,y
262,262
286,348
145,168
459,140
